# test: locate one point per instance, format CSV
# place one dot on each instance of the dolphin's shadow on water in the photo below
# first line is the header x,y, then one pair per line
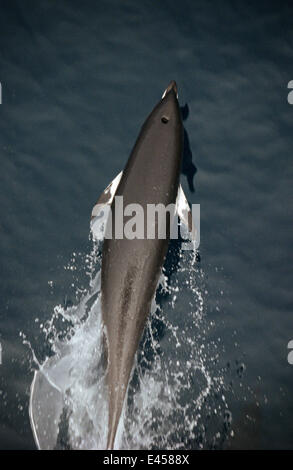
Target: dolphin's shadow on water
x,y
188,168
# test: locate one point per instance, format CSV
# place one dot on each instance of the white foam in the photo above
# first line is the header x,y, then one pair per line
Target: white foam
x,y
171,379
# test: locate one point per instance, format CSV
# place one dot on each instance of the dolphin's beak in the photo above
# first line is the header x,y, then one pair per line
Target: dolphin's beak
x,y
172,86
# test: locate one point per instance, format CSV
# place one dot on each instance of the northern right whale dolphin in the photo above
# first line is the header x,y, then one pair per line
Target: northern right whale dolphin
x,y
131,268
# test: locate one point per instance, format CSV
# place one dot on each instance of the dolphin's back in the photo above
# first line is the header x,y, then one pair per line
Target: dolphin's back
x,y
131,268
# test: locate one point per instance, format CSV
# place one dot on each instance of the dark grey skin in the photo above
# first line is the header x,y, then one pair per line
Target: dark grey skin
x,y
131,268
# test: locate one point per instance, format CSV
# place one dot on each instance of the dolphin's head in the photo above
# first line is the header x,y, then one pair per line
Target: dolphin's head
x,y
166,115
172,86
168,106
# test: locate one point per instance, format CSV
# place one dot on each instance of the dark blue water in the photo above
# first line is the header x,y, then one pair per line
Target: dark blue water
x,y
78,79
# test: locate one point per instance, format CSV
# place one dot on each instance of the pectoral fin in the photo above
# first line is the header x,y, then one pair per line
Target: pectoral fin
x,y
184,212
101,208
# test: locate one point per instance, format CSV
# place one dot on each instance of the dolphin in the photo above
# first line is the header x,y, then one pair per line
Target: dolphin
x,y
131,267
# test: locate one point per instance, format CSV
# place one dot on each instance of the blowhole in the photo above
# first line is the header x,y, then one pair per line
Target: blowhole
x,y
164,119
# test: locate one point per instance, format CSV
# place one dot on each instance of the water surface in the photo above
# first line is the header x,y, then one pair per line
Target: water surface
x,y
78,80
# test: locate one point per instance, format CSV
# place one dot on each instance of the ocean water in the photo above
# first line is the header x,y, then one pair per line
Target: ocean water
x,y
78,79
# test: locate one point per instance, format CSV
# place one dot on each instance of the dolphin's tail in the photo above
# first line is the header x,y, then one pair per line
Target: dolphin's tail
x,y
111,439
116,400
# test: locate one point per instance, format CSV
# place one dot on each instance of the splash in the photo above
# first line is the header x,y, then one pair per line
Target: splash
x,y
174,401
